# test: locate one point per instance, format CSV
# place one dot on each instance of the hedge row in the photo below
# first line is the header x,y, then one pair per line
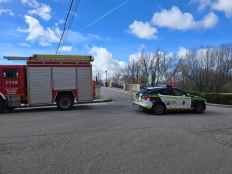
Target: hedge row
x,y
217,98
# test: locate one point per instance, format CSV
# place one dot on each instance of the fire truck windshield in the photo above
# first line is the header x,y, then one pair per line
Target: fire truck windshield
x,y
10,74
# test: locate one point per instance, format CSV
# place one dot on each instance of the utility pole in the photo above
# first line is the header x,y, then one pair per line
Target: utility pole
x,y
106,78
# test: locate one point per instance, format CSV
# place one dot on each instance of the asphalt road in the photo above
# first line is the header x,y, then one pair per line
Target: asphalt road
x,y
115,138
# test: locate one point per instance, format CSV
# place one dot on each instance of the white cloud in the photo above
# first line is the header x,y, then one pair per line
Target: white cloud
x,y
218,5
66,49
170,55
143,30
31,3
201,53
45,36
174,18
104,61
43,11
203,3
135,57
38,9
37,33
6,12
223,5
182,52
209,21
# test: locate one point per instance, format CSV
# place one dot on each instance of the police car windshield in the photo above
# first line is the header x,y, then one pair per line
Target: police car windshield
x,y
150,90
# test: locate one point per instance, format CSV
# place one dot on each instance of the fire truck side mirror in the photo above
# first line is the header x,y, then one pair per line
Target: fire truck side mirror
x,y
4,75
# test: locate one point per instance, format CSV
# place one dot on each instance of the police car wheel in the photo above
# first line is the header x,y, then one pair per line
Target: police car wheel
x,y
158,109
199,108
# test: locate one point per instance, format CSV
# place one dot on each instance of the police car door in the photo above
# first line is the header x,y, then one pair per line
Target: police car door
x,y
168,98
182,100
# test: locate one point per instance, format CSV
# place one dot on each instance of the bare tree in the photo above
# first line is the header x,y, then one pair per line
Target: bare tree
x,y
206,69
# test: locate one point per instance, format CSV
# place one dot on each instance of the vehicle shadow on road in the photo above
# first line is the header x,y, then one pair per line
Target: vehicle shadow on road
x,y
47,109
180,114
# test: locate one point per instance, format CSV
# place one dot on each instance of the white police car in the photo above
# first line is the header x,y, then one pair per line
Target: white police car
x,y
162,99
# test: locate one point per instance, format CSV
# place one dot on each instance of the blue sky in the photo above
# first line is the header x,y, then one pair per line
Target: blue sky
x,y
33,26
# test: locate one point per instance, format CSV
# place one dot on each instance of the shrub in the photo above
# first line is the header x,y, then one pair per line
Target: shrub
x,y
227,87
217,98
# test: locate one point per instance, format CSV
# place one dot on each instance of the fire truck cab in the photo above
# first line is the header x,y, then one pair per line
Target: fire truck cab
x,y
45,80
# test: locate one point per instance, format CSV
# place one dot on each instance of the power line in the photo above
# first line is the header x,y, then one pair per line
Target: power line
x,y
68,22
75,7
72,17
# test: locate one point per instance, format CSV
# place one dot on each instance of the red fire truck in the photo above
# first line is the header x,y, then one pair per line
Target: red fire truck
x,y
47,79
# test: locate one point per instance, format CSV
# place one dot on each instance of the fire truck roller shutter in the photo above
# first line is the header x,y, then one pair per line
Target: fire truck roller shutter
x,y
64,78
84,78
39,85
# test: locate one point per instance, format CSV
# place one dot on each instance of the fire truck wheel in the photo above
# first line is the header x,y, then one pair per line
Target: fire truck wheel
x,y
65,102
2,105
10,109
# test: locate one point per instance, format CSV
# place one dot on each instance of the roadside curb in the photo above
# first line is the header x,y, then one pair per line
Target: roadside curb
x,y
219,105
98,101
103,100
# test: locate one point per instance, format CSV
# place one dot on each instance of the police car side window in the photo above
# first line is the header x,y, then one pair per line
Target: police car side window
x,y
166,91
154,92
150,92
178,92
